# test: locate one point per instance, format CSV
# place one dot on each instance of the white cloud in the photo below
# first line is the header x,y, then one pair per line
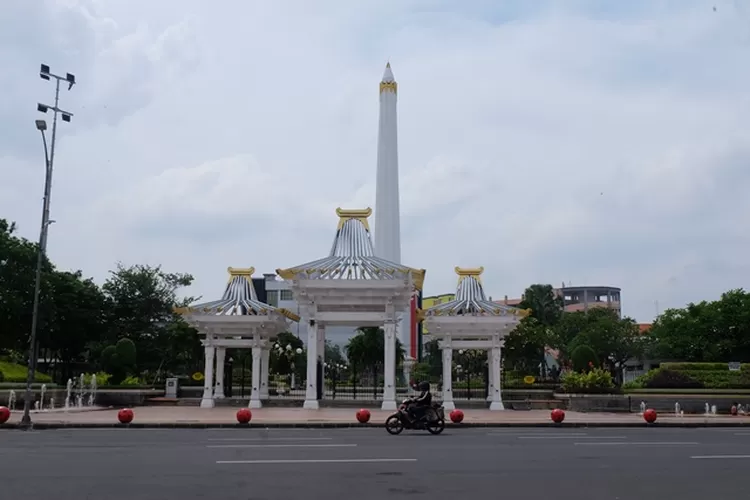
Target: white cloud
x,y
556,142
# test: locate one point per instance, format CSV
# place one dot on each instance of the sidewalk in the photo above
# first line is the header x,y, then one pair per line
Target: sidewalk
x,y
190,417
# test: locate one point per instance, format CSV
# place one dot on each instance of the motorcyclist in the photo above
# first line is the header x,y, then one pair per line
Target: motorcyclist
x,y
421,403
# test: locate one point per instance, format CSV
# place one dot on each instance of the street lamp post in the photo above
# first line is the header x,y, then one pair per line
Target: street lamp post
x,y
49,158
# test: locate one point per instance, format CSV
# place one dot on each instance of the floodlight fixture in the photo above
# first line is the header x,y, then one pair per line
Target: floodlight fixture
x,y
41,125
42,107
44,73
71,79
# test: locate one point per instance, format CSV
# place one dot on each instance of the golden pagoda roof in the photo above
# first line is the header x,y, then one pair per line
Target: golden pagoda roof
x,y
239,299
352,256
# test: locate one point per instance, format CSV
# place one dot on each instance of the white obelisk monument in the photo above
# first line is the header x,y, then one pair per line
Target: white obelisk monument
x,y
387,202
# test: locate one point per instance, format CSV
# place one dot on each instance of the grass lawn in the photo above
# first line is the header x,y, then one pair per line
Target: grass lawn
x,y
13,372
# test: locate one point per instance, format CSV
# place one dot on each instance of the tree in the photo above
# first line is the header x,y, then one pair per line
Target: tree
x,y
119,360
142,301
717,331
614,340
546,306
333,354
74,314
524,349
366,350
18,260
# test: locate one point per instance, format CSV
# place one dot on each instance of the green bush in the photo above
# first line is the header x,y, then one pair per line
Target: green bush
x,y
15,373
119,359
671,378
102,378
583,358
134,381
719,367
597,381
662,378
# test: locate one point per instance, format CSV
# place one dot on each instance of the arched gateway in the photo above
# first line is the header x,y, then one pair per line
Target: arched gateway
x,y
351,287
237,320
470,321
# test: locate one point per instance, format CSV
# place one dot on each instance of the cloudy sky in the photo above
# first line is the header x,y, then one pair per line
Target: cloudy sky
x,y
591,142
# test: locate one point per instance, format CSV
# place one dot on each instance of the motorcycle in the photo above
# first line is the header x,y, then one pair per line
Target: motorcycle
x,y
433,419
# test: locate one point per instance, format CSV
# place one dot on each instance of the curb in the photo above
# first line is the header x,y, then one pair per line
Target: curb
x,y
354,425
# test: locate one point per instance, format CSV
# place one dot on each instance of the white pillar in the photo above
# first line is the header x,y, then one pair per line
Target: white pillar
x,y
221,355
311,389
389,385
495,388
208,378
255,393
409,363
264,360
490,375
448,403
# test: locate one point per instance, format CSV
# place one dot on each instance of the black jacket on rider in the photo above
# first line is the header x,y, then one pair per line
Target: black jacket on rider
x,y
424,398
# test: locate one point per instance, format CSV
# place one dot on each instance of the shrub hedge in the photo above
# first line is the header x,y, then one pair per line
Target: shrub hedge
x,y
693,376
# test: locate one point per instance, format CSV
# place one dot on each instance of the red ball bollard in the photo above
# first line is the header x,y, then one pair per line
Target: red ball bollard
x,y
363,416
649,416
557,415
244,415
4,414
456,416
125,416
733,410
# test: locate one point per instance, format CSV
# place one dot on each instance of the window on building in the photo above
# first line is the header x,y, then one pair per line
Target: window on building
x,y
272,296
286,295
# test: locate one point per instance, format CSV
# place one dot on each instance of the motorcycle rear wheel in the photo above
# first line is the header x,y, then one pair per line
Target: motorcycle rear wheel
x,y
435,427
394,425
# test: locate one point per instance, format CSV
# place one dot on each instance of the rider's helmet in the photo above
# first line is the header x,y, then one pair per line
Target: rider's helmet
x,y
424,386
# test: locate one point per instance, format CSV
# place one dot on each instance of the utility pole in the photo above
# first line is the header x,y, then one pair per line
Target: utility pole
x,y
49,157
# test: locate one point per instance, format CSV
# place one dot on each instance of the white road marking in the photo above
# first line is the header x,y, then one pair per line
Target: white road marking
x,y
321,461
572,437
653,443
719,457
281,446
516,432
274,439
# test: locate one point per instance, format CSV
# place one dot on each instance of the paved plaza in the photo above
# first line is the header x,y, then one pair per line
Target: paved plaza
x,y
367,463
269,417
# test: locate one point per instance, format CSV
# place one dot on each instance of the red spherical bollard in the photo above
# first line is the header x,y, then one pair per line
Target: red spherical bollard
x,y
557,415
125,416
363,416
457,416
4,414
244,415
649,416
733,410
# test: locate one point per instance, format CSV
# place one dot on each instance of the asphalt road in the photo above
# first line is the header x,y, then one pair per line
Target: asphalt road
x,y
364,464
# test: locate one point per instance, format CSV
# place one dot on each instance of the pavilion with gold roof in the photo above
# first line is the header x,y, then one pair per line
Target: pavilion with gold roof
x,y
236,320
471,321
351,287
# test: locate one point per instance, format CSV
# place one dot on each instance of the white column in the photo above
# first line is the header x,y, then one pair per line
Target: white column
x,y
208,378
264,360
448,403
221,355
490,375
255,393
389,386
495,388
311,388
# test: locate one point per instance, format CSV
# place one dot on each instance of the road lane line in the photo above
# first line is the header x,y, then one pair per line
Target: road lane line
x,y
281,446
321,461
572,437
274,439
719,457
654,443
